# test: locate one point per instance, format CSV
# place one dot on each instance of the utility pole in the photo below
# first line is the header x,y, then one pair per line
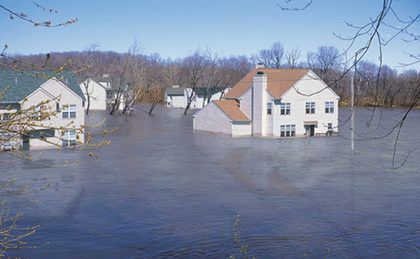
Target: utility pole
x,y
352,112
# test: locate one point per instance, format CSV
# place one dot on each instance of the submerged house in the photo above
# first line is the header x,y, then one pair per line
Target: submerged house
x,y
100,95
59,95
95,90
178,97
273,103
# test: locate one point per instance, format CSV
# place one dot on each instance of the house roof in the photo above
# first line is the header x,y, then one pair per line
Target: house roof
x,y
210,89
201,90
175,91
17,85
278,81
231,109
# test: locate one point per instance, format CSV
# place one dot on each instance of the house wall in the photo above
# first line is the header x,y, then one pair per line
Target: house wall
x,y
245,103
298,115
57,92
211,118
176,101
97,95
241,129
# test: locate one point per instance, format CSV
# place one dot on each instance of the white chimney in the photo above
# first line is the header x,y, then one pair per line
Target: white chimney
x,y
259,65
259,102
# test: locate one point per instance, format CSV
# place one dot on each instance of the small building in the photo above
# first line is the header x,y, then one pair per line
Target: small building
x,y
44,109
175,97
273,103
95,93
178,97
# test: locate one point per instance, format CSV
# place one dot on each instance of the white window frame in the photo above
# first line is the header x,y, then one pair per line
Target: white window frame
x,y
310,107
329,107
69,137
269,108
68,111
285,108
288,130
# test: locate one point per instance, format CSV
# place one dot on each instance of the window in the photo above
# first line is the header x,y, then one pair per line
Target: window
x,y
329,126
284,108
69,138
57,107
36,114
269,108
7,116
69,111
310,107
329,107
287,130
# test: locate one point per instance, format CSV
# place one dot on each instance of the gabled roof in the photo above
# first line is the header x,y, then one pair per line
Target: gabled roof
x,y
231,109
278,81
17,85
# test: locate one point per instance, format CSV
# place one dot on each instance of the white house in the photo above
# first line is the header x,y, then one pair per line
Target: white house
x,y
59,96
273,103
95,93
178,97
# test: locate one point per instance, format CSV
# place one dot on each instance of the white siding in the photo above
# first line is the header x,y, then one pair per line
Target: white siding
x,y
51,90
245,103
176,101
241,129
297,110
258,119
97,94
211,118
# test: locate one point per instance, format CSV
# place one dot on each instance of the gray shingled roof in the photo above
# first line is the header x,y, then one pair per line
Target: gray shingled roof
x,y
211,90
16,85
198,90
175,91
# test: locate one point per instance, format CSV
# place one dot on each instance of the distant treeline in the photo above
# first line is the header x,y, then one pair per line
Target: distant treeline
x,y
375,85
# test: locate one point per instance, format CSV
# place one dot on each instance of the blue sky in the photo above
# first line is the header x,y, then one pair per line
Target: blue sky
x,y
177,28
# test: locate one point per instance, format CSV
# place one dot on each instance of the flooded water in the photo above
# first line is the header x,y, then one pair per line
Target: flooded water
x,y
159,190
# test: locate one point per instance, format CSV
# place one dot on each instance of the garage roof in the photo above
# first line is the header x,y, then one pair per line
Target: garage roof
x,y
231,109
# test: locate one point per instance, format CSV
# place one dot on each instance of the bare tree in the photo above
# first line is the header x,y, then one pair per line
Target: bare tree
x,y
192,74
292,57
271,58
122,90
86,65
